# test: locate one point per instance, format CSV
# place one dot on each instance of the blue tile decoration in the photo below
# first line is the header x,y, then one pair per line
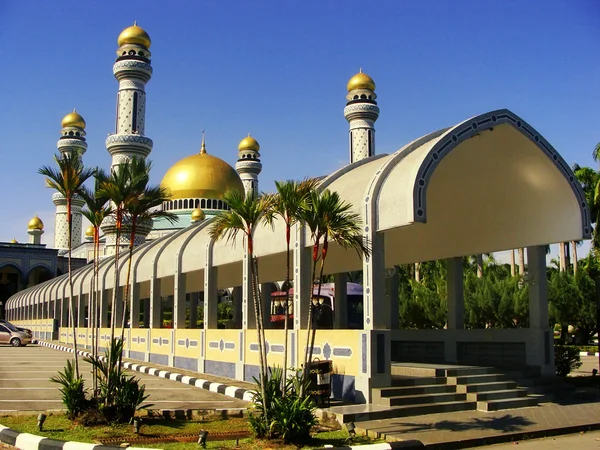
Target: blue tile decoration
x,y
136,355
142,340
229,345
221,345
277,348
327,350
220,368
364,352
186,363
213,344
251,372
159,359
193,343
342,351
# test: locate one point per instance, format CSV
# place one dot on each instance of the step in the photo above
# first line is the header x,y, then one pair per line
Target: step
x,y
486,387
423,399
497,395
496,405
417,371
357,413
413,390
465,371
477,379
417,381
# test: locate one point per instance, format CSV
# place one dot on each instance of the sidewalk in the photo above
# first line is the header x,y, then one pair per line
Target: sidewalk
x,y
474,428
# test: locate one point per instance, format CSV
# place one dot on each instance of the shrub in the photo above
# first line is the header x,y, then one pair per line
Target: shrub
x,y
566,359
73,390
283,412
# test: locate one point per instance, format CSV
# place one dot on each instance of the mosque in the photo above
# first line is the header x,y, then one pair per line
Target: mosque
x,y
487,184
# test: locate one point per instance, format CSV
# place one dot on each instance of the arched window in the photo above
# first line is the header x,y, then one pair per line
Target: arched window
x,y
185,204
196,203
202,203
356,97
220,204
180,204
363,97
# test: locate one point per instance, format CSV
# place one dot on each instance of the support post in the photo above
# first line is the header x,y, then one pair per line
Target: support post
x,y
155,303
134,305
179,300
456,306
340,303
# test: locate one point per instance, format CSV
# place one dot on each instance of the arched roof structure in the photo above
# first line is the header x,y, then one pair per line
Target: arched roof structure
x,y
490,183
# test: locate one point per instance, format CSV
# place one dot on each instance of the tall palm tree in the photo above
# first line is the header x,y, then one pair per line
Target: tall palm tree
x,y
97,210
245,213
512,262
287,204
68,180
521,261
329,219
142,207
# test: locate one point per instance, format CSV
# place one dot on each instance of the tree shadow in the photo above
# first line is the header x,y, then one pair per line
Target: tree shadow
x,y
506,424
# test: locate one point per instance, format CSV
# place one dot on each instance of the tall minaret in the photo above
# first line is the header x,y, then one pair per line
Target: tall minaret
x,y
248,164
133,70
71,144
361,112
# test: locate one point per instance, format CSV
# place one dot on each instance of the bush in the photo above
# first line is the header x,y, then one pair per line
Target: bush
x,y
73,390
566,359
283,412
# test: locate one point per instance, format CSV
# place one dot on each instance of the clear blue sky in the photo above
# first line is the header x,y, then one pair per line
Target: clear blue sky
x,y
278,70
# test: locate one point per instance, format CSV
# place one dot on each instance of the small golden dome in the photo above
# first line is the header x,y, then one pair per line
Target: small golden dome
x,y
89,231
361,81
14,241
198,215
249,143
201,176
35,224
73,119
134,35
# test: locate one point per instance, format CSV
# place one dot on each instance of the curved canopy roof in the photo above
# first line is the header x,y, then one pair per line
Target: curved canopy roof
x,y
490,183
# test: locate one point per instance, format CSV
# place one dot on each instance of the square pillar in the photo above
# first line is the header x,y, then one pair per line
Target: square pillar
x,y
81,301
146,312
103,309
265,298
179,304
119,309
340,312
155,303
456,306
540,345
64,312
237,307
392,283
194,297
134,305
211,298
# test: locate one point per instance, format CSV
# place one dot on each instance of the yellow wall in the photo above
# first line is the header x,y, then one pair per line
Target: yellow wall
x,y
134,342
230,339
161,333
187,343
339,341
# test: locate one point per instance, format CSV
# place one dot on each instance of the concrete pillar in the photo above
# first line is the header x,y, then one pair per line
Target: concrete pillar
x,y
119,309
248,316
392,282
80,301
64,312
540,345
179,304
134,305
155,303
456,306
237,306
340,301
302,280
265,298
103,305
211,298
146,314
194,296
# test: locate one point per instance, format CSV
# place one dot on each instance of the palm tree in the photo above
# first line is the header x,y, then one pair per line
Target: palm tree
x,y
329,219
245,213
287,204
97,210
68,181
512,262
521,262
141,208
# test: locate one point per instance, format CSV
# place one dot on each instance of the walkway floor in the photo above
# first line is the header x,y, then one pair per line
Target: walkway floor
x,y
457,430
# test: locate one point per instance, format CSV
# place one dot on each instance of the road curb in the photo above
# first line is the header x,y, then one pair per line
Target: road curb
x,y
409,444
219,388
589,354
26,441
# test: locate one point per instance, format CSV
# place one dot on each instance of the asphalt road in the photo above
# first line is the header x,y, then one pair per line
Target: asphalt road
x,y
25,384
584,441
589,363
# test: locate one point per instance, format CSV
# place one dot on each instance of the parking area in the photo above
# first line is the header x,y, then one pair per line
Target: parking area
x,y
25,384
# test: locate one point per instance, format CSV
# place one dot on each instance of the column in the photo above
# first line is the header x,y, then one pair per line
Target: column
x,y
146,306
341,301
179,300
134,305
540,345
236,301
103,302
194,309
265,298
119,309
248,316
155,303
456,307
392,282
80,317
211,298
64,312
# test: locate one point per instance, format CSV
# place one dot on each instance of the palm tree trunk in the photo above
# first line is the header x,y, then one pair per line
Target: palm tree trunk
x,y
113,307
71,303
522,262
287,309
94,309
512,262
561,257
314,328
126,295
308,350
479,259
575,262
418,272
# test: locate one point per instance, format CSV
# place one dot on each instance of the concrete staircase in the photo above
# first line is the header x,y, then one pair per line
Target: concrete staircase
x,y
419,389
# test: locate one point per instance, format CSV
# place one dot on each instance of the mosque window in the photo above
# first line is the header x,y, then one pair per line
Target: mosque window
x,y
220,204
134,112
70,133
131,52
196,203
124,53
77,133
369,97
356,97
141,54
185,203
180,204
363,97
202,203
370,143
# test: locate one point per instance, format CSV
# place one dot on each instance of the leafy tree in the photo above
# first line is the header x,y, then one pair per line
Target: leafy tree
x,y
68,181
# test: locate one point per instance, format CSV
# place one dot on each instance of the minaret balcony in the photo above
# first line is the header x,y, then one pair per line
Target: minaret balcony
x,y
130,68
129,143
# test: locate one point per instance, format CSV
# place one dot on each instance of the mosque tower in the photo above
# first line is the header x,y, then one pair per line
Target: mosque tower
x,y
361,112
132,70
248,164
71,144
35,229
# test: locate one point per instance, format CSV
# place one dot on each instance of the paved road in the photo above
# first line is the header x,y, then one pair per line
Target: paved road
x,y
589,363
25,385
585,441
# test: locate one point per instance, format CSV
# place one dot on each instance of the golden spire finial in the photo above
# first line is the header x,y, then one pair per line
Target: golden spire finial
x,y
135,23
203,148
360,70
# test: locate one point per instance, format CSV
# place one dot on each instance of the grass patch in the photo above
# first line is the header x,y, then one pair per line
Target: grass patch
x,y
57,426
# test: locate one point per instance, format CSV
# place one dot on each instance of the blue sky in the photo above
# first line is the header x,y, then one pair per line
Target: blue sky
x,y
278,70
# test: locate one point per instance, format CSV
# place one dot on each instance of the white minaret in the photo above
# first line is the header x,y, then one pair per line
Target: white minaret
x,y
71,144
361,112
248,164
133,70
35,229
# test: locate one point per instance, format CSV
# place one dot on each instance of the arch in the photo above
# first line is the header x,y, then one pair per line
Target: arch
x,y
185,204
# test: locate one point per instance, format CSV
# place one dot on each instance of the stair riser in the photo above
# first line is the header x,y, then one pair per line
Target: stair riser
x,y
419,400
501,386
477,379
416,371
415,390
500,395
470,371
409,411
425,381
507,404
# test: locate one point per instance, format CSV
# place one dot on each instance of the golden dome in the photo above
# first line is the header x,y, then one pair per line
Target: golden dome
x,y
201,176
249,143
14,241
89,231
35,224
73,119
361,81
134,35
198,215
